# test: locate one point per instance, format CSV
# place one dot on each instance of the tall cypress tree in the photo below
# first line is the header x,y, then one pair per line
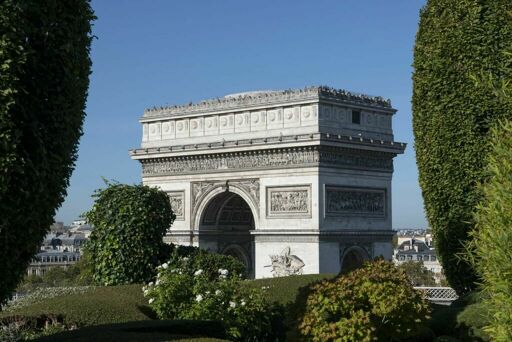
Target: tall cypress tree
x,y
457,41
44,77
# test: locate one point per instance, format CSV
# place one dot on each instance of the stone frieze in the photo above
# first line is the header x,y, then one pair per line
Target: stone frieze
x,y
276,158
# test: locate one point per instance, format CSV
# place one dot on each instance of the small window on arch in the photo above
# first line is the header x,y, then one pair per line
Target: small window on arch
x,y
356,117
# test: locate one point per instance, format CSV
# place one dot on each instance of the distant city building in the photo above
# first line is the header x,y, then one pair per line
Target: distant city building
x,y
61,247
417,234
419,248
43,261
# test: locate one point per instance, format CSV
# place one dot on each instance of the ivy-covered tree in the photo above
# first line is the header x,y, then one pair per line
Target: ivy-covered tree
x,y
44,77
457,40
126,244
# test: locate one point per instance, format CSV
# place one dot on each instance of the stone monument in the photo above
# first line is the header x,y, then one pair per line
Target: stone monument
x,y
289,182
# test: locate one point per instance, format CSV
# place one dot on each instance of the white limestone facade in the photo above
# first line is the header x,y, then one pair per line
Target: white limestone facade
x,y
295,181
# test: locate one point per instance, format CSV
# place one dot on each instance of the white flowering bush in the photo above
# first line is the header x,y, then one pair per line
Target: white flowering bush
x,y
183,292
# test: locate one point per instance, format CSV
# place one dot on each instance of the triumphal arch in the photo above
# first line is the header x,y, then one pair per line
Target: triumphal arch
x,y
289,182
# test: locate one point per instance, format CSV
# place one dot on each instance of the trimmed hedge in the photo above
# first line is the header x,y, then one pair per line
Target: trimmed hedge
x,y
100,305
491,248
284,290
457,41
44,77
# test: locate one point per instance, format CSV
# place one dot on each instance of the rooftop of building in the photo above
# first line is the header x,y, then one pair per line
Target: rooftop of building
x,y
263,97
417,247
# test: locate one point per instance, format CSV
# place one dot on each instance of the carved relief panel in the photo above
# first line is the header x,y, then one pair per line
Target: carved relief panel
x,y
227,123
168,130
177,199
154,131
275,118
242,122
288,201
308,115
258,120
347,201
197,127
292,117
182,128
211,124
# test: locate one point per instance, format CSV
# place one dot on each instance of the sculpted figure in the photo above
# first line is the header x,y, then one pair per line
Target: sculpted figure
x,y
285,264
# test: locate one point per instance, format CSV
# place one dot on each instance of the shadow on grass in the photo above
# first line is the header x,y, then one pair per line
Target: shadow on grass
x,y
145,331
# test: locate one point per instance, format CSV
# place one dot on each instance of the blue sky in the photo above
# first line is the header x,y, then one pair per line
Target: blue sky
x,y
172,52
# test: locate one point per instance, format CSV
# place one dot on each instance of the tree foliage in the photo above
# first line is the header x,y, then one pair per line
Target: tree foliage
x,y
456,41
417,273
374,303
126,243
44,77
490,251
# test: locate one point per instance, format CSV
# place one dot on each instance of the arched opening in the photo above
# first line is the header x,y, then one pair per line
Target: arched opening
x,y
353,259
225,225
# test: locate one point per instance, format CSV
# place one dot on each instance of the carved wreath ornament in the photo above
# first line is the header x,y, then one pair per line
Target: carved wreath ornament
x,y
286,264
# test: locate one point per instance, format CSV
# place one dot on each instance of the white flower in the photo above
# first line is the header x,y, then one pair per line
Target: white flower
x,y
157,282
207,293
242,302
223,272
146,293
185,259
165,265
198,272
199,298
232,304
150,283
218,292
151,300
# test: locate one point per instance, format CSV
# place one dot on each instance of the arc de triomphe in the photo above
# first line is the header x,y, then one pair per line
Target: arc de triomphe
x,y
294,181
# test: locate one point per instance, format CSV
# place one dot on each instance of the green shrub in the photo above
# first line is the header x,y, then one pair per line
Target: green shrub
x,y
182,291
490,250
44,76
209,262
452,114
129,222
376,302
25,328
